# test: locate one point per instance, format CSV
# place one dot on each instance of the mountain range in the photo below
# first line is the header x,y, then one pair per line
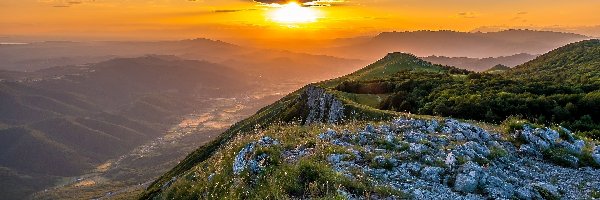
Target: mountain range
x,y
454,44
268,64
481,64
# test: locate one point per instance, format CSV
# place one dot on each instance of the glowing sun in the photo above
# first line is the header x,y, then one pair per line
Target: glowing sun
x,y
293,13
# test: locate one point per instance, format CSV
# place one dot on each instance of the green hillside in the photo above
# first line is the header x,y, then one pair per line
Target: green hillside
x,y
560,87
336,139
499,68
575,64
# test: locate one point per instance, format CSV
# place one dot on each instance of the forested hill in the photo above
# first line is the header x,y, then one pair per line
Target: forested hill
x,y
578,63
561,87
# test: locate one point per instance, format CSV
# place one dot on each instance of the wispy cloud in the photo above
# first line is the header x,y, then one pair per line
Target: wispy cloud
x,y
467,15
308,3
63,4
233,10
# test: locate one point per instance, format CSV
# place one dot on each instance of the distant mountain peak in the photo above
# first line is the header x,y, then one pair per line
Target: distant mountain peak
x,y
399,55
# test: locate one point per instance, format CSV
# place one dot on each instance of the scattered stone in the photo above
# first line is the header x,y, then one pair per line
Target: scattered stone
x,y
267,141
419,159
370,128
450,159
417,148
596,155
529,150
548,191
468,178
497,188
247,158
211,176
568,133
432,126
328,135
432,174
241,160
548,134
525,193
336,158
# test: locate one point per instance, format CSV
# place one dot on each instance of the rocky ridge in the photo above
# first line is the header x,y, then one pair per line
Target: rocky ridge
x,y
428,159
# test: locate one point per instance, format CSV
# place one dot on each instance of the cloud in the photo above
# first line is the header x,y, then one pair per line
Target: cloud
x,y
467,15
308,3
279,1
64,3
233,10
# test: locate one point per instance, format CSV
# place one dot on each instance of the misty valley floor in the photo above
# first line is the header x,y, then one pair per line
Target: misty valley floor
x,y
129,174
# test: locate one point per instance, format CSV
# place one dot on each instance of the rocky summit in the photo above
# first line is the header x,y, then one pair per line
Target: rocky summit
x,y
398,159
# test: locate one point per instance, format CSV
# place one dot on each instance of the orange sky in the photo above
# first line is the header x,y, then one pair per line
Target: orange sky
x,y
235,19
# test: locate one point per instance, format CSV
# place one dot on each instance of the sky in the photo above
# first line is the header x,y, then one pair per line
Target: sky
x,y
321,19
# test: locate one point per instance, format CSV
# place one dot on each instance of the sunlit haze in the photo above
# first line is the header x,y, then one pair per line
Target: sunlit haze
x,y
293,13
235,19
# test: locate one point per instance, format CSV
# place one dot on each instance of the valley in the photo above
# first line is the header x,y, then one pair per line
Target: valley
x,y
128,175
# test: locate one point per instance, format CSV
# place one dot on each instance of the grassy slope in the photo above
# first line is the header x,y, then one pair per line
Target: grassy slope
x,y
289,108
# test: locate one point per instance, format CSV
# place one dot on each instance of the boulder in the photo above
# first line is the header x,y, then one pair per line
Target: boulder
x,y
525,193
432,126
468,178
574,148
328,135
258,164
247,158
417,148
497,188
241,159
465,183
526,149
548,134
413,167
336,158
529,136
364,138
568,133
571,160
432,174
370,128
450,159
547,190
267,141
596,155
322,106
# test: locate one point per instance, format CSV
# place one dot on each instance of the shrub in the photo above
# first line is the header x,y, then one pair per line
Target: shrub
x,y
559,156
497,152
513,123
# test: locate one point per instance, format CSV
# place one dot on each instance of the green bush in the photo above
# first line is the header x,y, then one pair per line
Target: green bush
x,y
497,152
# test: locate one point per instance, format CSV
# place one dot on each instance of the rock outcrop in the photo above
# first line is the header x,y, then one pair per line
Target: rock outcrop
x,y
249,159
322,106
455,160
562,146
